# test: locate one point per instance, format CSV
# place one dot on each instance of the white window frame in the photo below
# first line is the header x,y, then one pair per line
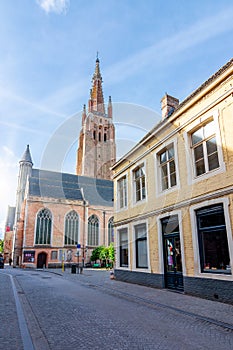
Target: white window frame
x,y
124,176
197,261
134,201
198,123
134,268
158,179
118,247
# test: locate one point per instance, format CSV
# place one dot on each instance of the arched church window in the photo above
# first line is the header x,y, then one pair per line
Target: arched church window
x,y
93,231
43,227
100,136
110,230
94,134
71,228
105,137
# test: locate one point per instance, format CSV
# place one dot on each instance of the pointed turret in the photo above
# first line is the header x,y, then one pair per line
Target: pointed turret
x,y
96,101
84,115
26,157
25,170
110,107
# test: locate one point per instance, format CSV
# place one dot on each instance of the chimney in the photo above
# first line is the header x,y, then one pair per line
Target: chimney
x,y
168,105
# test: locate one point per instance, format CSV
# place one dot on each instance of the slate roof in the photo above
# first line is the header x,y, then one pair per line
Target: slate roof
x,y
44,183
26,157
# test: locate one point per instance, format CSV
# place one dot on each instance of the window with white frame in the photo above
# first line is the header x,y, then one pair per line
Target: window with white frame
x,y
204,148
123,247
122,192
141,246
139,183
167,167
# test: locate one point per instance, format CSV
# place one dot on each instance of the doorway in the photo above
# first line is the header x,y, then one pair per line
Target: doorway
x,y
173,272
41,260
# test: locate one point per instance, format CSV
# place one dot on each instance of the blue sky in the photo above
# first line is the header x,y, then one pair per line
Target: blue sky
x,y
47,58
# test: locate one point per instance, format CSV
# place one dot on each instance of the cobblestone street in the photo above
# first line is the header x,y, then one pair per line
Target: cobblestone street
x,y
90,311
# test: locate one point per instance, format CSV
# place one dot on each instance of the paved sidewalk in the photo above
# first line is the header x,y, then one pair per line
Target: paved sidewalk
x,y
161,297
10,337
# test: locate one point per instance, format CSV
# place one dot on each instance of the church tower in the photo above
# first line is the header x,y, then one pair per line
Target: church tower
x,y
97,149
25,170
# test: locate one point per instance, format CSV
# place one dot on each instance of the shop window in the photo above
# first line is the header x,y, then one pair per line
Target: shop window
x,y
212,236
29,256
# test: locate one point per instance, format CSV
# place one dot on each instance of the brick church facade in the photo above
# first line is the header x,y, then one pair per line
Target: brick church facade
x,y
58,212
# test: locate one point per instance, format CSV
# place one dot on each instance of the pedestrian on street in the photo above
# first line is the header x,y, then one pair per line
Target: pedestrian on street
x,y
10,261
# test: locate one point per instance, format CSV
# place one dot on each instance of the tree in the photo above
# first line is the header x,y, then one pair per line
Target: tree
x,y
96,253
111,252
1,245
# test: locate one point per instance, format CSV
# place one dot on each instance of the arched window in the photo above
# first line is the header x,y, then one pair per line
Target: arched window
x,y
71,228
93,231
43,227
110,230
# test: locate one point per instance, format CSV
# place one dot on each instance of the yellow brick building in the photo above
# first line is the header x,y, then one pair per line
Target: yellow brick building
x,y
174,196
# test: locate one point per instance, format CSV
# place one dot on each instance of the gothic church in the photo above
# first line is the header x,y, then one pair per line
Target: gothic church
x,y
58,212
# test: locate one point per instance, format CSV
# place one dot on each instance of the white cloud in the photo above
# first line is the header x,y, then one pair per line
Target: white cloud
x,y
57,6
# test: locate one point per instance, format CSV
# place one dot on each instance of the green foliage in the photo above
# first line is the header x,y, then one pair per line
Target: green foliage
x,y
96,253
111,252
103,253
1,245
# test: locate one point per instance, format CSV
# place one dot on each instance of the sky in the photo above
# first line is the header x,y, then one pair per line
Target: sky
x,y
48,50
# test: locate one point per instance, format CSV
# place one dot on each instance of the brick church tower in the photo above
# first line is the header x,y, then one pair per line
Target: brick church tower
x,y
97,149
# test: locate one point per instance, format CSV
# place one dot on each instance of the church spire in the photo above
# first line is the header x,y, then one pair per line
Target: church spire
x,y
26,157
96,101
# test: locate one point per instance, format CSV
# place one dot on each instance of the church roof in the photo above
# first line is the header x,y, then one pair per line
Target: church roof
x,y
44,183
26,157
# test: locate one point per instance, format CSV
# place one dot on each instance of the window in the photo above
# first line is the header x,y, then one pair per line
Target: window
x,y
168,168
204,148
43,227
141,246
54,255
29,256
71,228
123,239
94,134
122,192
105,137
99,136
93,231
212,238
139,183
110,230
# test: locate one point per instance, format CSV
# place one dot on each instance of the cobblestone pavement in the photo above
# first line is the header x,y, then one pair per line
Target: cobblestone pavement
x,y
90,311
